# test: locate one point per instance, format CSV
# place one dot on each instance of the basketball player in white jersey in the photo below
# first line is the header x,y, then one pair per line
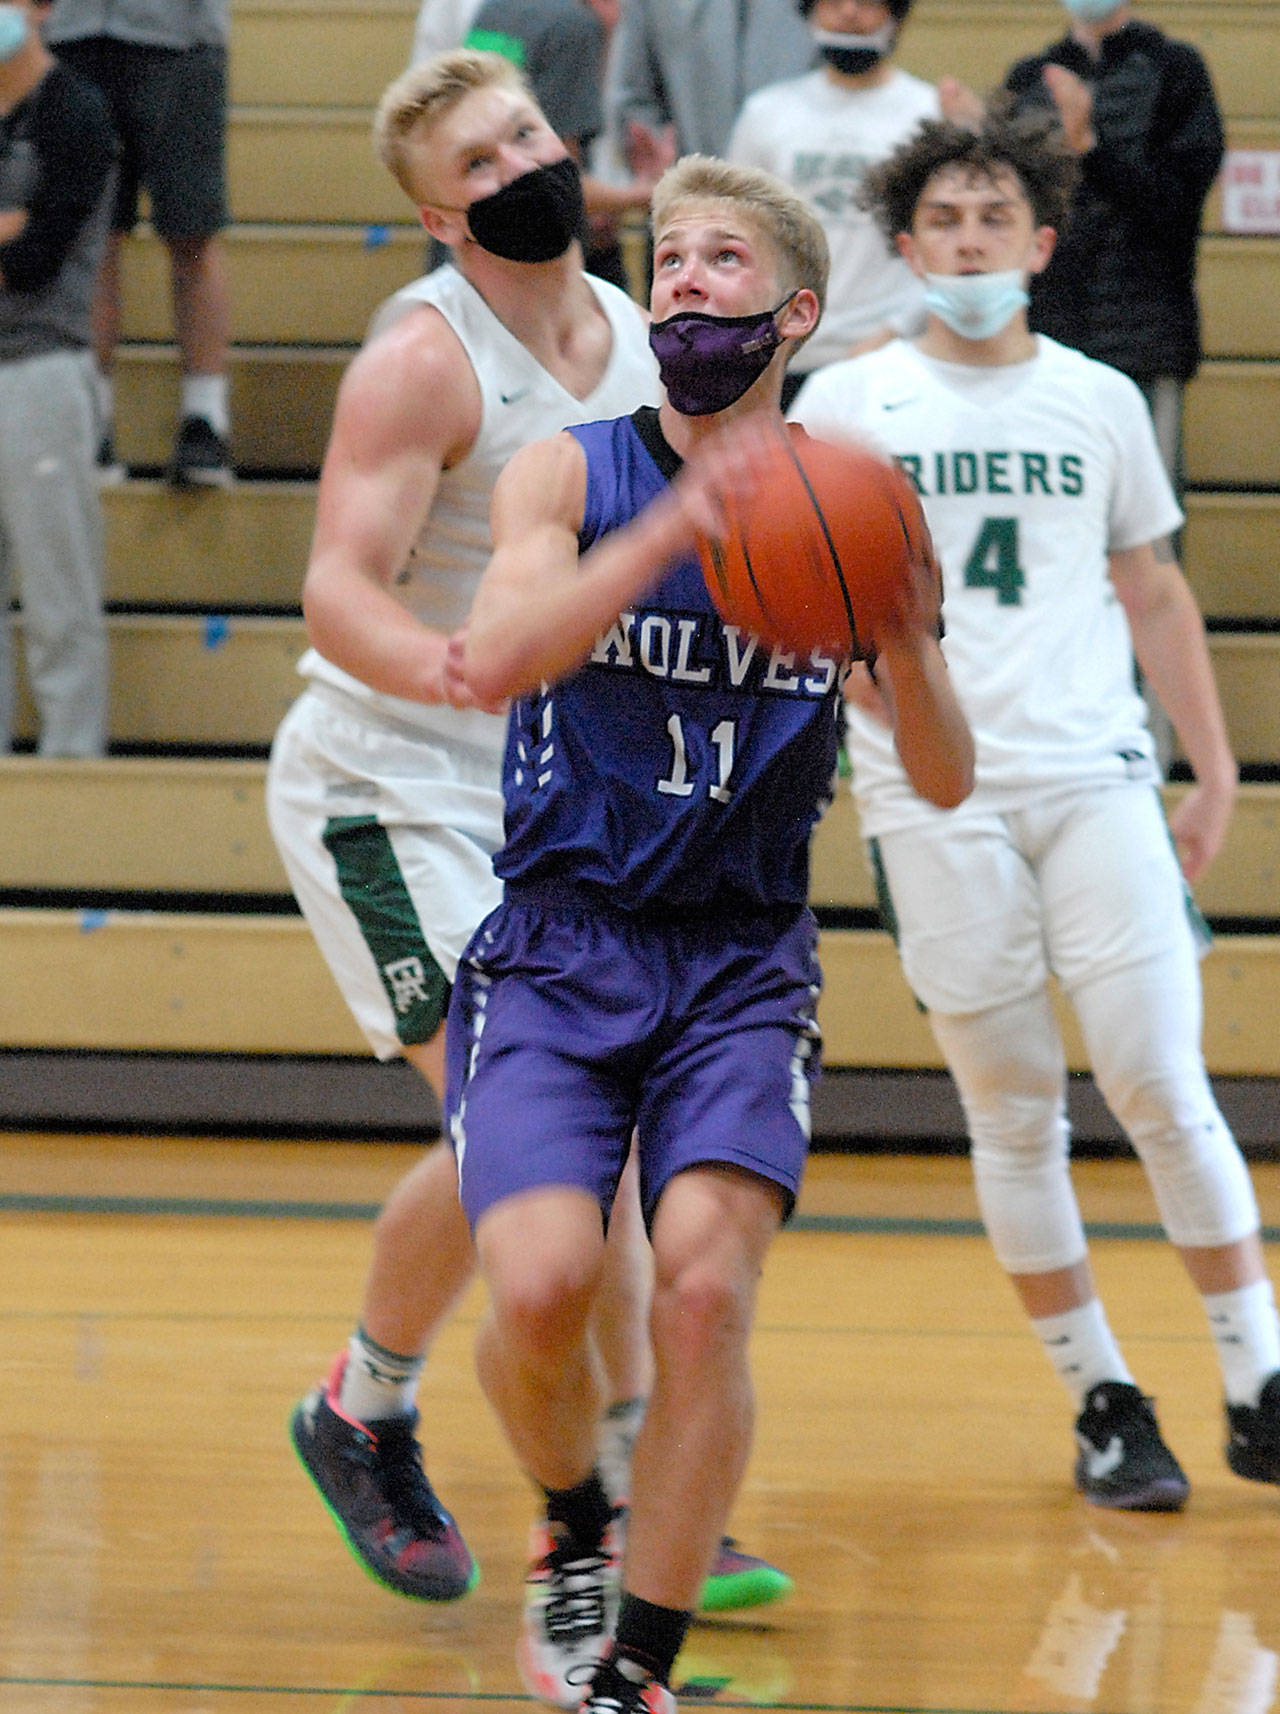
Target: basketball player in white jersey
x,y
384,790
1052,514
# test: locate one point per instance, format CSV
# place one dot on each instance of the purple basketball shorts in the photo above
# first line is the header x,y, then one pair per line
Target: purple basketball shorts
x,y
570,1026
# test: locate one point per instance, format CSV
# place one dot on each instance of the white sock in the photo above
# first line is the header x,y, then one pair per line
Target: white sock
x,y
1242,1674
1081,1348
1245,1331
1077,1641
377,1383
615,1439
208,396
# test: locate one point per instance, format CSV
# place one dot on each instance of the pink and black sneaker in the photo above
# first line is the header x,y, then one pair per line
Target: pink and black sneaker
x,y
370,1477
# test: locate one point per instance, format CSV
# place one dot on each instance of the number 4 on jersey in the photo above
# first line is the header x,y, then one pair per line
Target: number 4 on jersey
x,y
993,563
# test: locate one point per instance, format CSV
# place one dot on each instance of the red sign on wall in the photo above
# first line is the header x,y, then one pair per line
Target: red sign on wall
x,y
1251,190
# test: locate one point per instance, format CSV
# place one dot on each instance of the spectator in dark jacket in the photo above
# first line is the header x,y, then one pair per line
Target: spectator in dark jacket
x,y
1139,110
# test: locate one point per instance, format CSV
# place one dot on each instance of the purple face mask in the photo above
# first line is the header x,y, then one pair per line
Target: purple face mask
x,y
707,362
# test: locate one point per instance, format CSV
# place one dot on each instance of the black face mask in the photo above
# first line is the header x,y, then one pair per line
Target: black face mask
x,y
535,218
850,54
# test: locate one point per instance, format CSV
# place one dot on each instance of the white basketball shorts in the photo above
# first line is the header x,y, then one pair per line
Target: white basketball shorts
x,y
388,841
986,904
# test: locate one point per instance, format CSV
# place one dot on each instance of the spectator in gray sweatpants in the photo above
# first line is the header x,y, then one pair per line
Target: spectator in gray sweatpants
x,y
162,66
57,171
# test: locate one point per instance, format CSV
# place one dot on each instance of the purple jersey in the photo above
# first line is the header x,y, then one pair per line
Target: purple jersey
x,y
684,763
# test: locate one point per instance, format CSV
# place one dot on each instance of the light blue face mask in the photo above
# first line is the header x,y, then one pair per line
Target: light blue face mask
x,y
976,306
13,31
1089,11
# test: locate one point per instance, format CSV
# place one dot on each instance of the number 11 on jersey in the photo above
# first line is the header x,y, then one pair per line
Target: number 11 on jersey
x,y
677,782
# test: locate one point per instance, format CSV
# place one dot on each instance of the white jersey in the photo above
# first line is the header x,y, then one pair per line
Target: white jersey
x,y
820,137
1031,475
520,402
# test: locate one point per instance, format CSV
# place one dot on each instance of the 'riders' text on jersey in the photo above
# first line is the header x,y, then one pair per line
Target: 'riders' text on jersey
x,y
1031,475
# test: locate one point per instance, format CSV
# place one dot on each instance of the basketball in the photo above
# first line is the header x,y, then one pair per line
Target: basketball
x,y
811,558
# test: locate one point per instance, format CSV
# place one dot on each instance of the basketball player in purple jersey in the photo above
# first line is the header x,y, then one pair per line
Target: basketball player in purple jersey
x,y
384,790
651,966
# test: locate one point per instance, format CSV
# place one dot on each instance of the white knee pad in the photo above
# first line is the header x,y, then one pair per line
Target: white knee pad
x,y
1142,1028
1010,1071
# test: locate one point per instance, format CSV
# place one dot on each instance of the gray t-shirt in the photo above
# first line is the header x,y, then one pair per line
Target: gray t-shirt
x,y
57,163
559,45
694,62
147,23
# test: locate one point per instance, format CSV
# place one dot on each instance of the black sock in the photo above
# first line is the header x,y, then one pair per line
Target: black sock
x,y
583,1510
649,1635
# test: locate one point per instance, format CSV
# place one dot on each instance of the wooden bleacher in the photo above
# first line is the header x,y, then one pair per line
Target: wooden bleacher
x,y
142,906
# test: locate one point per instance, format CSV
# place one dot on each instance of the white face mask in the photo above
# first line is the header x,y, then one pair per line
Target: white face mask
x,y
853,54
976,306
13,31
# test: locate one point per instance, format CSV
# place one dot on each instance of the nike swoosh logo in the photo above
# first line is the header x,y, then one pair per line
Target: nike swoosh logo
x,y
897,404
514,398
1101,1461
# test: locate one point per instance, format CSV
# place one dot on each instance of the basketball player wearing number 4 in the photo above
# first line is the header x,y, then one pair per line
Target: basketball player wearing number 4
x,y
1051,514
651,965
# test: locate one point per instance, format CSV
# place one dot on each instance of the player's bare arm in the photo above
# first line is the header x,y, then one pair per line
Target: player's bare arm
x,y
539,607
13,223
930,732
533,578
862,691
408,407
1169,642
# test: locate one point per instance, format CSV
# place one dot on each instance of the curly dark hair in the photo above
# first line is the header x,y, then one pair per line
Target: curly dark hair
x,y
1031,146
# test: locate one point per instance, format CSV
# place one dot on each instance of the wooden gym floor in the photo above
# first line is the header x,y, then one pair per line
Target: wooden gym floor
x,y
163,1303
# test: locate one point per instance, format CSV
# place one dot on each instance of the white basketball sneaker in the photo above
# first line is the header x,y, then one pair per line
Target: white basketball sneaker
x,y
570,1609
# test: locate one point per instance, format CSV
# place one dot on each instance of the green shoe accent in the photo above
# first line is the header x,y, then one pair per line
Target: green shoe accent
x,y
755,1583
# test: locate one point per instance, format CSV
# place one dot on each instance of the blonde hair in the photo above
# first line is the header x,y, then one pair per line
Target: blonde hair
x,y
415,103
787,223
